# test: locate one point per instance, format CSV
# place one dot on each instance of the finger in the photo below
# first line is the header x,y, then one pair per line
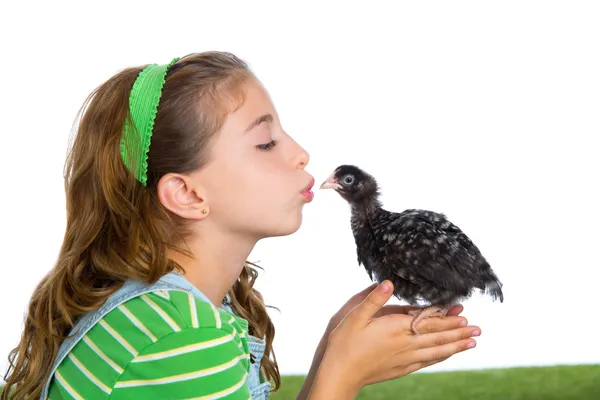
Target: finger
x,y
445,337
420,365
360,296
363,293
439,324
455,310
351,303
373,302
432,354
395,309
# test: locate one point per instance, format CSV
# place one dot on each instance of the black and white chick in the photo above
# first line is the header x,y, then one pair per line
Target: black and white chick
x,y
427,258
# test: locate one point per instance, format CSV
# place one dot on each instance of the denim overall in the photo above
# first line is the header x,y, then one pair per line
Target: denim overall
x,y
132,288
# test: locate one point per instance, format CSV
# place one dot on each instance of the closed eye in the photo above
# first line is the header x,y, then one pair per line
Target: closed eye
x,y
267,146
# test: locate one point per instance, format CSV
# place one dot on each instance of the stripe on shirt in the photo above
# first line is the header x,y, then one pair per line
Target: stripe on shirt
x,y
118,337
137,322
193,310
224,392
102,355
182,377
89,375
162,313
67,387
185,349
163,293
217,316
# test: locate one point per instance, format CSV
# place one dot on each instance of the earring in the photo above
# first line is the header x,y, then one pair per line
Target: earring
x,y
204,211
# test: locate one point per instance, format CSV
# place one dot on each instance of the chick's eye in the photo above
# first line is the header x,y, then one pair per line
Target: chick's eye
x,y
267,146
348,179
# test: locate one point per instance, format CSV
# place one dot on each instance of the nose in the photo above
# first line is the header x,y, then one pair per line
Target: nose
x,y
301,156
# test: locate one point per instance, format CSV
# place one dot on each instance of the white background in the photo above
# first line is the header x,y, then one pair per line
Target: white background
x,y
486,111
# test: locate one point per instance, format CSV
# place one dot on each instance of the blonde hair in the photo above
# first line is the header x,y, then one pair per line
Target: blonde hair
x,y
116,228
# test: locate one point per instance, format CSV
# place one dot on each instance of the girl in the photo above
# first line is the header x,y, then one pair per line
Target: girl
x,y
176,172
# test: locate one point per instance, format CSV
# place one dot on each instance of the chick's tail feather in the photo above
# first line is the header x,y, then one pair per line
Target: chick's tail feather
x,y
493,288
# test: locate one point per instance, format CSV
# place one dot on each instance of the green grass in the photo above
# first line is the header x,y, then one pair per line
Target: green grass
x,y
580,382
533,383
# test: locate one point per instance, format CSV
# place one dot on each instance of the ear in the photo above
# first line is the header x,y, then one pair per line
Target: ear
x,y
180,195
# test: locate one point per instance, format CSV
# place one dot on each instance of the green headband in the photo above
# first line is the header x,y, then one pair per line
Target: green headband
x,y
143,104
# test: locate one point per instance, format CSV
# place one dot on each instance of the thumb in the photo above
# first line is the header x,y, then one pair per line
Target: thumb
x,y
374,301
362,295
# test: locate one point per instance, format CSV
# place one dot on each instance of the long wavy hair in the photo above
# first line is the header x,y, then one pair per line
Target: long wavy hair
x,y
116,228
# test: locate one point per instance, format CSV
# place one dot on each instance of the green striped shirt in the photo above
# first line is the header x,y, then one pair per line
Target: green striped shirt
x,y
161,345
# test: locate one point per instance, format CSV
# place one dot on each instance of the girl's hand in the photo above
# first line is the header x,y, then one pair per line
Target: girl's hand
x,y
386,310
366,348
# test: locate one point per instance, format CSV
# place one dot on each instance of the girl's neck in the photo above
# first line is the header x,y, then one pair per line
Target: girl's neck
x,y
216,264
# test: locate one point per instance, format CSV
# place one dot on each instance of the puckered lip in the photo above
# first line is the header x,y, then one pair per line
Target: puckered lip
x,y
310,185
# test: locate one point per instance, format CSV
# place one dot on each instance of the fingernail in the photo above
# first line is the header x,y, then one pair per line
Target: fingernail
x,y
476,332
385,287
464,322
471,344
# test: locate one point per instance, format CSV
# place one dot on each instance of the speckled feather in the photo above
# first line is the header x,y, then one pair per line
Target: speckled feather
x,y
428,258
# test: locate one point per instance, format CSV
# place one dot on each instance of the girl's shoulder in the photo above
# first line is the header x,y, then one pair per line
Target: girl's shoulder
x,y
187,310
165,336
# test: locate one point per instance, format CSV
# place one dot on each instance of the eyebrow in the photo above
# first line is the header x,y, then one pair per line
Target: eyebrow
x,y
258,121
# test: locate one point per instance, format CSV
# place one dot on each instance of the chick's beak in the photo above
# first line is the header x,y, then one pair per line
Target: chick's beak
x,y
331,183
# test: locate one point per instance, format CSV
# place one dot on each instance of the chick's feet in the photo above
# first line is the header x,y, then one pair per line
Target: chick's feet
x,y
426,312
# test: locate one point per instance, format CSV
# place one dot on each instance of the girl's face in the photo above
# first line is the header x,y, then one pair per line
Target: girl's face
x,y
255,180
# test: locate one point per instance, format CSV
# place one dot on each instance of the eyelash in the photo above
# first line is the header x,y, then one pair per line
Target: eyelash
x,y
267,146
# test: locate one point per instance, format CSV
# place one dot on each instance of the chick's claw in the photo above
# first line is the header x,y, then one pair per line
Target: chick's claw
x,y
427,312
